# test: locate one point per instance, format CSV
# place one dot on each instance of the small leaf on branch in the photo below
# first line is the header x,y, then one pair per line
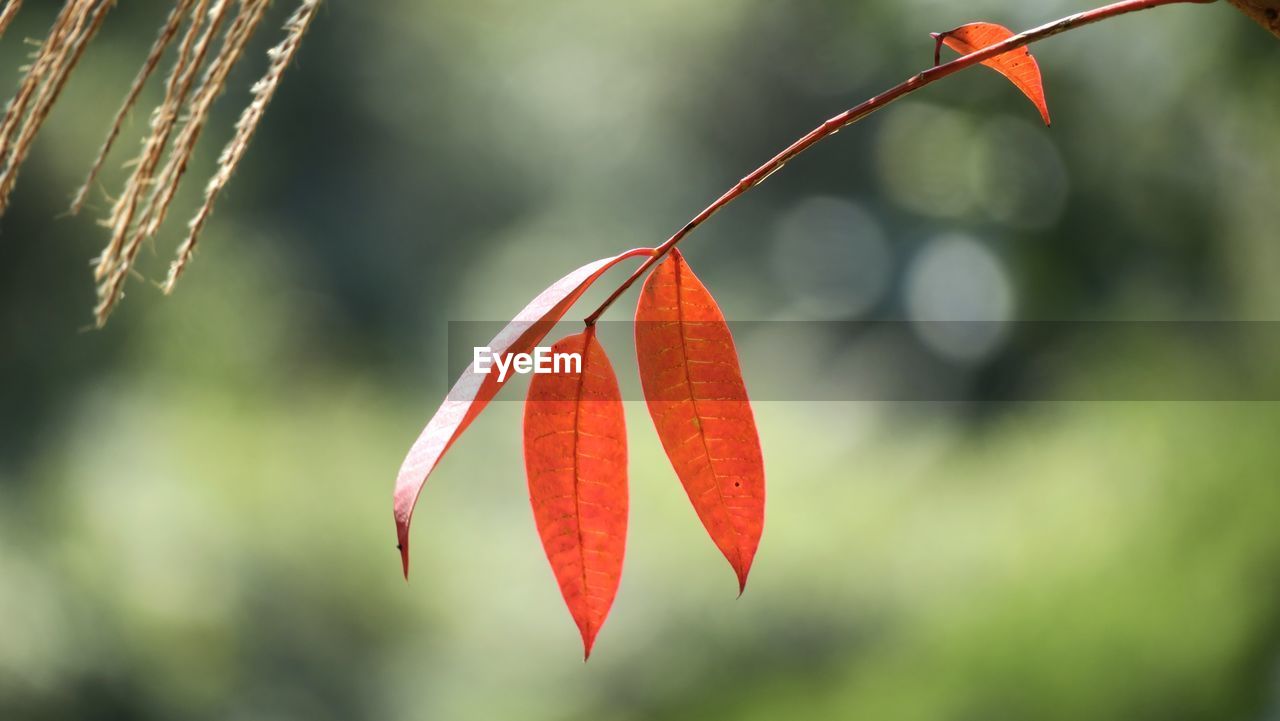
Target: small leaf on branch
x,y
473,391
575,456
1019,66
694,389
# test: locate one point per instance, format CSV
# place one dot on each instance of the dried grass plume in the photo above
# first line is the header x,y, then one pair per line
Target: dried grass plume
x,y
195,79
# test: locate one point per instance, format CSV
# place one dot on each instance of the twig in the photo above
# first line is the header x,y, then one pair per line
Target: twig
x,y
856,113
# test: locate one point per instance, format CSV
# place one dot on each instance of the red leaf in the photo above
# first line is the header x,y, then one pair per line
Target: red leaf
x,y
575,455
473,391
698,401
1019,66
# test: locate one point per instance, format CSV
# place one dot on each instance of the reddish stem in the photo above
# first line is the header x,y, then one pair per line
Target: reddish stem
x,y
858,112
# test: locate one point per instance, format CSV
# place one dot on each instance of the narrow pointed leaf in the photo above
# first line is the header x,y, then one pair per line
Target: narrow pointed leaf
x,y
472,392
1019,66
694,389
575,456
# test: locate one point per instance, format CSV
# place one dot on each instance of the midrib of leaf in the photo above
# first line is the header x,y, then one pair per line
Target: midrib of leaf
x,y
577,499
697,417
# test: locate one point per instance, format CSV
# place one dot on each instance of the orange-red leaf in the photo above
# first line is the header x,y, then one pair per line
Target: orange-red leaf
x,y
473,391
698,400
1019,66
575,455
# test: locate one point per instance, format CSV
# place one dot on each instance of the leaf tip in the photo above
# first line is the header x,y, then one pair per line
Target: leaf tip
x,y
402,545
742,568
588,642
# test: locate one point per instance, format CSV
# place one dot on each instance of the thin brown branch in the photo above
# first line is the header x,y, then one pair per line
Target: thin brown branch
x,y
858,112
281,55
167,33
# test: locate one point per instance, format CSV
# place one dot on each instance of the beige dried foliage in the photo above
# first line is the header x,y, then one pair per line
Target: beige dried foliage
x,y
16,110
281,55
165,185
117,261
197,77
8,13
168,32
60,64
211,85
194,44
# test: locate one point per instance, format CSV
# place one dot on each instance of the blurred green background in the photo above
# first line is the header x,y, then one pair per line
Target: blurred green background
x,y
195,503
